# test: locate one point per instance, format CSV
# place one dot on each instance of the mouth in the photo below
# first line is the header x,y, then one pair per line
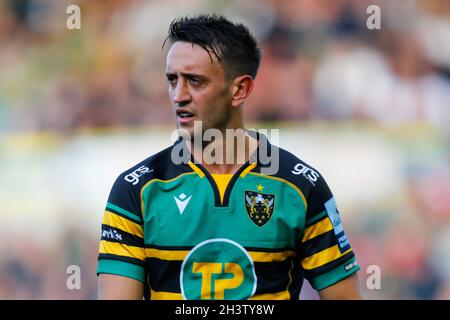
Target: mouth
x,y
184,115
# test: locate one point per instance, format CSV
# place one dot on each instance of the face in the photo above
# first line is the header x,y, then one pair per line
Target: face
x,y
197,87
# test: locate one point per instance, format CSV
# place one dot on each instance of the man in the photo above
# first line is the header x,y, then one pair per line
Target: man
x,y
202,229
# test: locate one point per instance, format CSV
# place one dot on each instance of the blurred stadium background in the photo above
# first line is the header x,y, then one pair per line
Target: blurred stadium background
x,y
369,108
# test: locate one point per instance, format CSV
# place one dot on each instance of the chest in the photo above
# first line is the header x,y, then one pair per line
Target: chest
x,y
256,212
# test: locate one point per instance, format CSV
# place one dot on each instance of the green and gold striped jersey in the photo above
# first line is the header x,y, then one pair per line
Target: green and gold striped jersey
x,y
187,234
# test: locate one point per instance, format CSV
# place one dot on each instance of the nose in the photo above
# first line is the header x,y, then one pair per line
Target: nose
x,y
180,94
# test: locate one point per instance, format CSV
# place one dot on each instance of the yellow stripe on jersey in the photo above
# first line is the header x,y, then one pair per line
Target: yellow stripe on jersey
x,y
293,186
270,256
283,295
323,257
196,169
123,250
116,221
161,295
247,170
317,229
166,254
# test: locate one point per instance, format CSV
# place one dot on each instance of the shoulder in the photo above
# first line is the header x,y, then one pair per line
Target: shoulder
x,y
306,178
156,166
295,170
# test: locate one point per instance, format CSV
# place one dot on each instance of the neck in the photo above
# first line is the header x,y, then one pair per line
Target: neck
x,y
227,152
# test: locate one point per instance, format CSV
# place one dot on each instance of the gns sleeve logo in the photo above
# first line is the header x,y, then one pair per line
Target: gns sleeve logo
x,y
133,177
307,172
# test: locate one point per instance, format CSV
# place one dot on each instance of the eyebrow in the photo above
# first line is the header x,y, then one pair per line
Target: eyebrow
x,y
187,75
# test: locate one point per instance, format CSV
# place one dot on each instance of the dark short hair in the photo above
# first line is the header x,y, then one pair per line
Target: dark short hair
x,y
232,43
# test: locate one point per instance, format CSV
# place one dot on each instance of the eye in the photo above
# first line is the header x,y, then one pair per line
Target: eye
x,y
195,81
171,80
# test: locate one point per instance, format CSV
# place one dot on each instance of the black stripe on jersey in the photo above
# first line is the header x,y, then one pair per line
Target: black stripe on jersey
x,y
164,275
310,274
212,183
272,276
317,244
297,280
112,234
146,287
188,248
124,216
320,194
108,256
234,178
271,250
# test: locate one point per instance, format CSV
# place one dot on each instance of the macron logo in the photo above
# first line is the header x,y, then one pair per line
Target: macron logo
x,y
182,201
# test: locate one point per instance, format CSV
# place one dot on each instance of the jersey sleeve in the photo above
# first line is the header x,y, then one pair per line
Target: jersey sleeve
x,y
122,249
326,254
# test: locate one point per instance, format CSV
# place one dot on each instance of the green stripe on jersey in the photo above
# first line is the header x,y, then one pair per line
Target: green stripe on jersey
x,y
121,268
124,212
335,275
311,221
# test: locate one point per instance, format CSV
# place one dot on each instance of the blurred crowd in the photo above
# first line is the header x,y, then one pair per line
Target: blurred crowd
x,y
320,63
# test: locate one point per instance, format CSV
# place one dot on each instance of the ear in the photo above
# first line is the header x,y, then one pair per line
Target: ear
x,y
240,90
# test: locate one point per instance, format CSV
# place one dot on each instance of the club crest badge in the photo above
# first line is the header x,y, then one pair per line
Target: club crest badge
x,y
259,206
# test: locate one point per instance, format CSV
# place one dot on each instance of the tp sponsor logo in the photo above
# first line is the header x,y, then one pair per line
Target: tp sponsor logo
x,y
218,269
